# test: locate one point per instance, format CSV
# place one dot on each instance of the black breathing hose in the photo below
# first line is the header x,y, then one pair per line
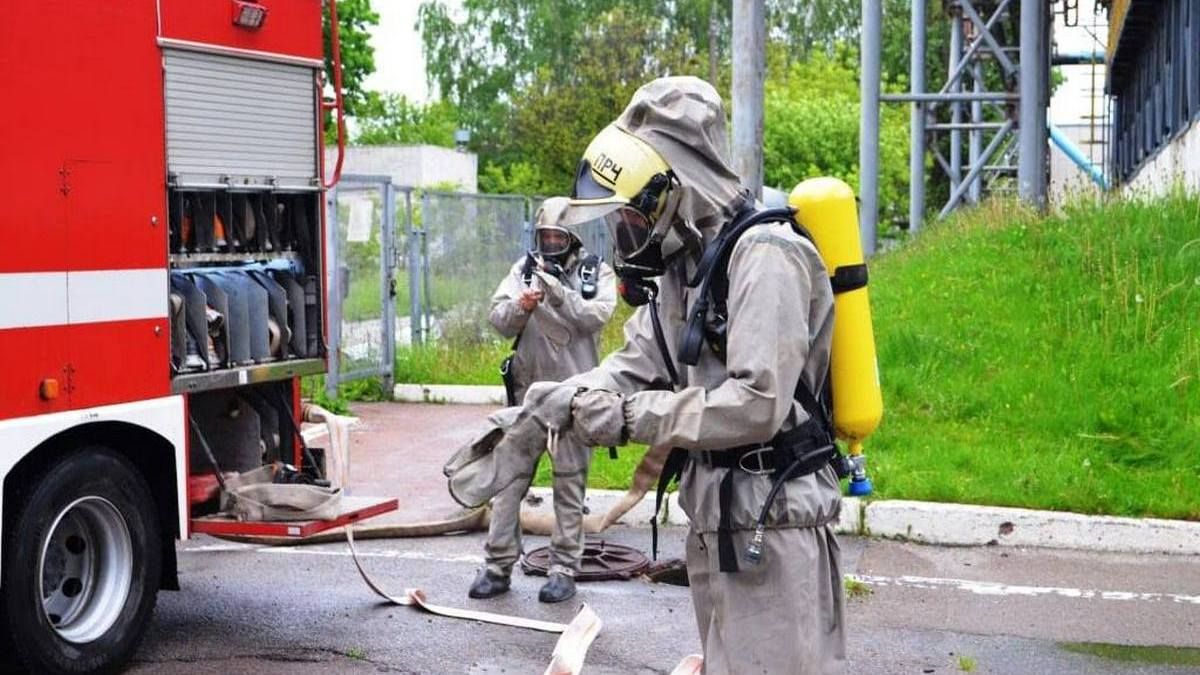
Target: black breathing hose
x,y
659,337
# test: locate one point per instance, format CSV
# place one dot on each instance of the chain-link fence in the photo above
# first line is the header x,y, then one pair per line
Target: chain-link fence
x,y
470,242
414,266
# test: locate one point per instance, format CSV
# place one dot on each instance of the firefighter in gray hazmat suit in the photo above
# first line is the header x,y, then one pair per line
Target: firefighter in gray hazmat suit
x,y
661,178
554,303
729,378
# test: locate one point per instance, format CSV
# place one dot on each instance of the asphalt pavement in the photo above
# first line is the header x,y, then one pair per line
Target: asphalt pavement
x,y
912,608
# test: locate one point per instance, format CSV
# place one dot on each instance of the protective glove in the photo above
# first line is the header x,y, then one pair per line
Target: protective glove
x,y
508,449
552,287
599,418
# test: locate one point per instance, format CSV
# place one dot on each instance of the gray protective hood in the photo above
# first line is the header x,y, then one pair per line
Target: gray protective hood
x,y
683,120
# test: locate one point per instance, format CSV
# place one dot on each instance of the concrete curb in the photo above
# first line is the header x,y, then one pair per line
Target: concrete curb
x,y
955,524
959,524
465,394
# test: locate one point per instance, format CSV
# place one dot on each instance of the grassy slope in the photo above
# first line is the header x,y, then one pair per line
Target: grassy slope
x,y
1046,363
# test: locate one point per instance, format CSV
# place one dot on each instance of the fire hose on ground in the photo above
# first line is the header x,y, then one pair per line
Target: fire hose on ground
x,y
574,638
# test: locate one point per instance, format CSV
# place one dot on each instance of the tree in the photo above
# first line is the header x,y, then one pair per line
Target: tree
x,y
499,47
811,128
394,120
355,17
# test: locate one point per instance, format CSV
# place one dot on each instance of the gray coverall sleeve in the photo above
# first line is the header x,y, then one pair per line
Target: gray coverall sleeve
x,y
766,349
634,367
572,312
507,317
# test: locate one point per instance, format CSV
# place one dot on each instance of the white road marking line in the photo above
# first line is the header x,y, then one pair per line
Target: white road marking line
x,y
998,589
923,583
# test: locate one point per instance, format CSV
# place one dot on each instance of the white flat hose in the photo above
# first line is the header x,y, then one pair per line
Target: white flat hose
x,y
574,638
693,664
415,597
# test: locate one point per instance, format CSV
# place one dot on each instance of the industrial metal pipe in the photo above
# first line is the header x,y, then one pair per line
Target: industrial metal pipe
x,y
956,107
950,98
1078,157
975,187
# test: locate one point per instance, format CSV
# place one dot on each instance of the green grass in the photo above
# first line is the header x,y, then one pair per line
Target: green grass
x,y
605,473
1044,362
855,589
1041,362
966,664
1157,655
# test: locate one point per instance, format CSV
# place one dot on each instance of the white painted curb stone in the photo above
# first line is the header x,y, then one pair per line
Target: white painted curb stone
x,y
450,393
958,524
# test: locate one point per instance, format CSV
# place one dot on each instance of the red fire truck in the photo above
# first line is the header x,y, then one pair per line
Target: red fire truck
x,y
162,290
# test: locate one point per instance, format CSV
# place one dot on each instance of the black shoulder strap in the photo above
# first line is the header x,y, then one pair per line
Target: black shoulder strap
x,y
712,276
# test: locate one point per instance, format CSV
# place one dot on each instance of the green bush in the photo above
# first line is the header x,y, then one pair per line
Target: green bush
x,y
811,129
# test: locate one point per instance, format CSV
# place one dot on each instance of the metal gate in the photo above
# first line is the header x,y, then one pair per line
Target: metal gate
x,y
361,217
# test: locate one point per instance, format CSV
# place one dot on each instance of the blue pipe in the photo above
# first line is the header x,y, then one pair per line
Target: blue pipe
x,y
1067,146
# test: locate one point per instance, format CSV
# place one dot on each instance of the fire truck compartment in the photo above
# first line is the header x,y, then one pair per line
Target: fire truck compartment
x,y
241,429
245,296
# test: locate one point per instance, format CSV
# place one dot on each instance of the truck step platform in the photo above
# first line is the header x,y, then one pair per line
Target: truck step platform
x,y
354,509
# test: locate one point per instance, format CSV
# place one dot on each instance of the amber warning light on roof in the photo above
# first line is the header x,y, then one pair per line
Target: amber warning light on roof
x,y
249,14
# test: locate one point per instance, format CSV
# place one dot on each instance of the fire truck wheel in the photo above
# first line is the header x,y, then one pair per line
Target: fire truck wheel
x,y
82,566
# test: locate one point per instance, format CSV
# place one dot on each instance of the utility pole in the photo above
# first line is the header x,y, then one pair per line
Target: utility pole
x,y
916,162
1031,167
749,72
868,149
714,34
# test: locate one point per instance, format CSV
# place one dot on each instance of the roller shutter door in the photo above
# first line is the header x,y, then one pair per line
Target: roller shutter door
x,y
239,121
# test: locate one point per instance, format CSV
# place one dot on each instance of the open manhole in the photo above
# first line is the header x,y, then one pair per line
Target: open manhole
x,y
601,561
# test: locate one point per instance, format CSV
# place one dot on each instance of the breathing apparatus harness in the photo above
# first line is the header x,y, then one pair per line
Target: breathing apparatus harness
x,y
794,453
589,277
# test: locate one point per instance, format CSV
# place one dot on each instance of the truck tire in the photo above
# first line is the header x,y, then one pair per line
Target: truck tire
x,y
82,563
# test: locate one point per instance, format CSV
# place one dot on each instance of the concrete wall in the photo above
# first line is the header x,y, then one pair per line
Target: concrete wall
x,y
412,165
1177,162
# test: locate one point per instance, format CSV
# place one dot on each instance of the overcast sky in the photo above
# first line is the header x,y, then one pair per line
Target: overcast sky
x,y
399,64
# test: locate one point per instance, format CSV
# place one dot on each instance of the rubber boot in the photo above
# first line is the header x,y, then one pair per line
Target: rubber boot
x,y
560,587
488,585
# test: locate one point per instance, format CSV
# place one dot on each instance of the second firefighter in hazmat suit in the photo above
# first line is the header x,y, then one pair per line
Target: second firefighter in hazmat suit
x,y
554,304
661,178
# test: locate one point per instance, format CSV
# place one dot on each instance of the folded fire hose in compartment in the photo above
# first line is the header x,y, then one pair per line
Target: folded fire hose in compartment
x,y
225,317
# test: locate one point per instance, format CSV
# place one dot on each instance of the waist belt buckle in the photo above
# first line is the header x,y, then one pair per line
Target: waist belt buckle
x,y
758,454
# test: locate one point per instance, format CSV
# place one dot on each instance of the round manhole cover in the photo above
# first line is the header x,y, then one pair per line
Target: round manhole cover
x,y
601,561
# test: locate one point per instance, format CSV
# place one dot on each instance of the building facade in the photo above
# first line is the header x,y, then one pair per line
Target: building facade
x,y
1154,81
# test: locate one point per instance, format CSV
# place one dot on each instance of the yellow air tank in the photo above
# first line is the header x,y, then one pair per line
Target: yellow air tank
x,y
826,208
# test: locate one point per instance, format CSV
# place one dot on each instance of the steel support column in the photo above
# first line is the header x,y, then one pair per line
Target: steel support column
x,y
975,187
956,111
